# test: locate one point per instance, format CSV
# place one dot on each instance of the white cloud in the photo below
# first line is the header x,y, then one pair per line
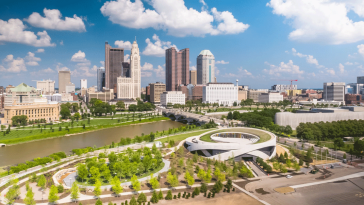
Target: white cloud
x,y
13,31
222,62
341,67
283,68
123,44
60,67
40,50
61,43
157,48
330,71
349,63
217,71
147,66
42,72
103,63
322,20
173,17
31,59
83,65
361,49
241,74
12,65
160,72
146,74
126,58
79,57
309,58
193,67
52,20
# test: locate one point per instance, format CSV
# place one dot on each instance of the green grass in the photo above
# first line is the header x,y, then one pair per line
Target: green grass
x,y
263,136
20,135
181,137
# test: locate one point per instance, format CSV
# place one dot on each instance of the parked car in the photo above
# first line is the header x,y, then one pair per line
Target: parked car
x,y
288,176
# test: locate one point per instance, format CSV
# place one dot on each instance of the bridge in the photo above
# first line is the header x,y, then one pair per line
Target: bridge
x,y
189,117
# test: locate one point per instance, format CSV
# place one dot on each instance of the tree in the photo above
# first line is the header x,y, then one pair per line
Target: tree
x,y
338,142
98,202
82,171
133,201
201,174
154,182
120,105
29,198
95,173
229,184
135,183
77,116
42,181
74,191
116,187
169,195
53,197
288,163
142,198
217,187
190,180
97,189
65,111
154,198
160,195
207,178
10,195
203,188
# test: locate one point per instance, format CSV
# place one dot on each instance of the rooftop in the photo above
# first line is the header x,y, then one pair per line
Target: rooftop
x,y
22,88
206,53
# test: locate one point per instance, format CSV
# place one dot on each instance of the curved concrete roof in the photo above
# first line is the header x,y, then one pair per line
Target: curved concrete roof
x,y
206,53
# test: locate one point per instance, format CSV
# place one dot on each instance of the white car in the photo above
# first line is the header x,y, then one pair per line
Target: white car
x,y
288,176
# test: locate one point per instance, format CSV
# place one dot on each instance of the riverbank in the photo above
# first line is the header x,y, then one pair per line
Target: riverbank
x,y
20,136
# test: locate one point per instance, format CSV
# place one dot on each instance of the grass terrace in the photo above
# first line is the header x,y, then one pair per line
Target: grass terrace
x,y
262,135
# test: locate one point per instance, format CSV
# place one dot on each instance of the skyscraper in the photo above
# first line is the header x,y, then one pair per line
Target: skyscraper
x,y
177,68
334,92
64,78
205,67
193,77
100,78
128,84
114,57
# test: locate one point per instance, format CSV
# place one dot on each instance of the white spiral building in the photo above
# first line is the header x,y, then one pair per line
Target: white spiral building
x,y
238,143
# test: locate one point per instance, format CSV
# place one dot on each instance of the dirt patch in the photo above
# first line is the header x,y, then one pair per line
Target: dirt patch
x,y
284,190
280,150
60,181
261,191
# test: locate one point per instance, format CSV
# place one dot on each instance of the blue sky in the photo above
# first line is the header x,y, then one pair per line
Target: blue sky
x,y
258,42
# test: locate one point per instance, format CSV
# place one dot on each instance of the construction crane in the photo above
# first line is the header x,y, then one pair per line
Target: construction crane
x,y
288,80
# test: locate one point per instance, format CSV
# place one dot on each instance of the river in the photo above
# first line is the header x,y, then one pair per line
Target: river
x,y
27,151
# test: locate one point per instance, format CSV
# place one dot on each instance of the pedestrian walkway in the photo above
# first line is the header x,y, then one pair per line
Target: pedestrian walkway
x,y
250,194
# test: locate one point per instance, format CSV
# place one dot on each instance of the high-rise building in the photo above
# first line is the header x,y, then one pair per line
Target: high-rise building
x,y
360,79
177,68
100,78
114,57
205,67
46,86
193,77
334,92
156,89
128,87
2,90
83,84
64,78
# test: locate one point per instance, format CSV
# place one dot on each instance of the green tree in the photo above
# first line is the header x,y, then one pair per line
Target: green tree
x,y
160,195
82,171
120,105
65,111
29,198
98,202
142,198
77,116
154,198
172,179
75,192
116,187
53,197
42,181
154,182
95,173
135,183
203,188
169,195
207,178
97,189
133,201
190,180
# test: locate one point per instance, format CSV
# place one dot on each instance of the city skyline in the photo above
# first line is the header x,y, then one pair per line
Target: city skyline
x,y
260,46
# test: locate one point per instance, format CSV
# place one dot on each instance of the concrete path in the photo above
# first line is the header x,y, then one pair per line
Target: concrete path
x,y
360,174
250,194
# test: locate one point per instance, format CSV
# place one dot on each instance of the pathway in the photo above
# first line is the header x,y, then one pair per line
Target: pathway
x,y
250,194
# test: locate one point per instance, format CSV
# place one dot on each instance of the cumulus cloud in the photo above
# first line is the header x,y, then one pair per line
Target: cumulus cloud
x,y
13,31
103,63
322,20
52,20
31,59
193,67
361,49
289,68
126,58
146,74
61,43
241,74
157,48
309,58
330,71
160,72
83,65
11,65
147,66
222,62
42,72
40,50
123,44
341,68
173,17
60,67
349,63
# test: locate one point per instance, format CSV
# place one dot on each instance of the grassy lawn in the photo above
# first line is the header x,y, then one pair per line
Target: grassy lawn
x,y
29,134
181,137
263,136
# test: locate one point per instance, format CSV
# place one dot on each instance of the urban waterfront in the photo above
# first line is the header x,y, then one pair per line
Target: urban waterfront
x,y
27,151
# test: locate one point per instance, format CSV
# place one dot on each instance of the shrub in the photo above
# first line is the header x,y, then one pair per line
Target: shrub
x,y
169,195
60,188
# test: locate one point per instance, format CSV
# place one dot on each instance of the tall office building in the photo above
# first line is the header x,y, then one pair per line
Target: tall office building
x,y
193,77
83,84
128,87
360,79
114,57
205,67
177,68
156,89
46,86
100,78
64,78
334,92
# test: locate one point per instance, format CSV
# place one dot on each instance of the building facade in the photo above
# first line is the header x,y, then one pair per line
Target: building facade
x,y
64,78
353,99
70,88
21,94
105,96
39,109
270,97
334,92
283,88
222,93
114,57
100,78
173,97
177,68
156,89
83,84
360,79
2,90
254,94
205,67
46,86
193,77
129,87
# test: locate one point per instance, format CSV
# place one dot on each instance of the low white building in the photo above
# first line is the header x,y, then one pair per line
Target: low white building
x,y
174,97
221,93
70,87
270,97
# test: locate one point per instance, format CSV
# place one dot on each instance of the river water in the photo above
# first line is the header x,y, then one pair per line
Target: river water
x,y
27,151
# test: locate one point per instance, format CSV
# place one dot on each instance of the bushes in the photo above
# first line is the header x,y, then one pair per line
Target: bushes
x,y
265,166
